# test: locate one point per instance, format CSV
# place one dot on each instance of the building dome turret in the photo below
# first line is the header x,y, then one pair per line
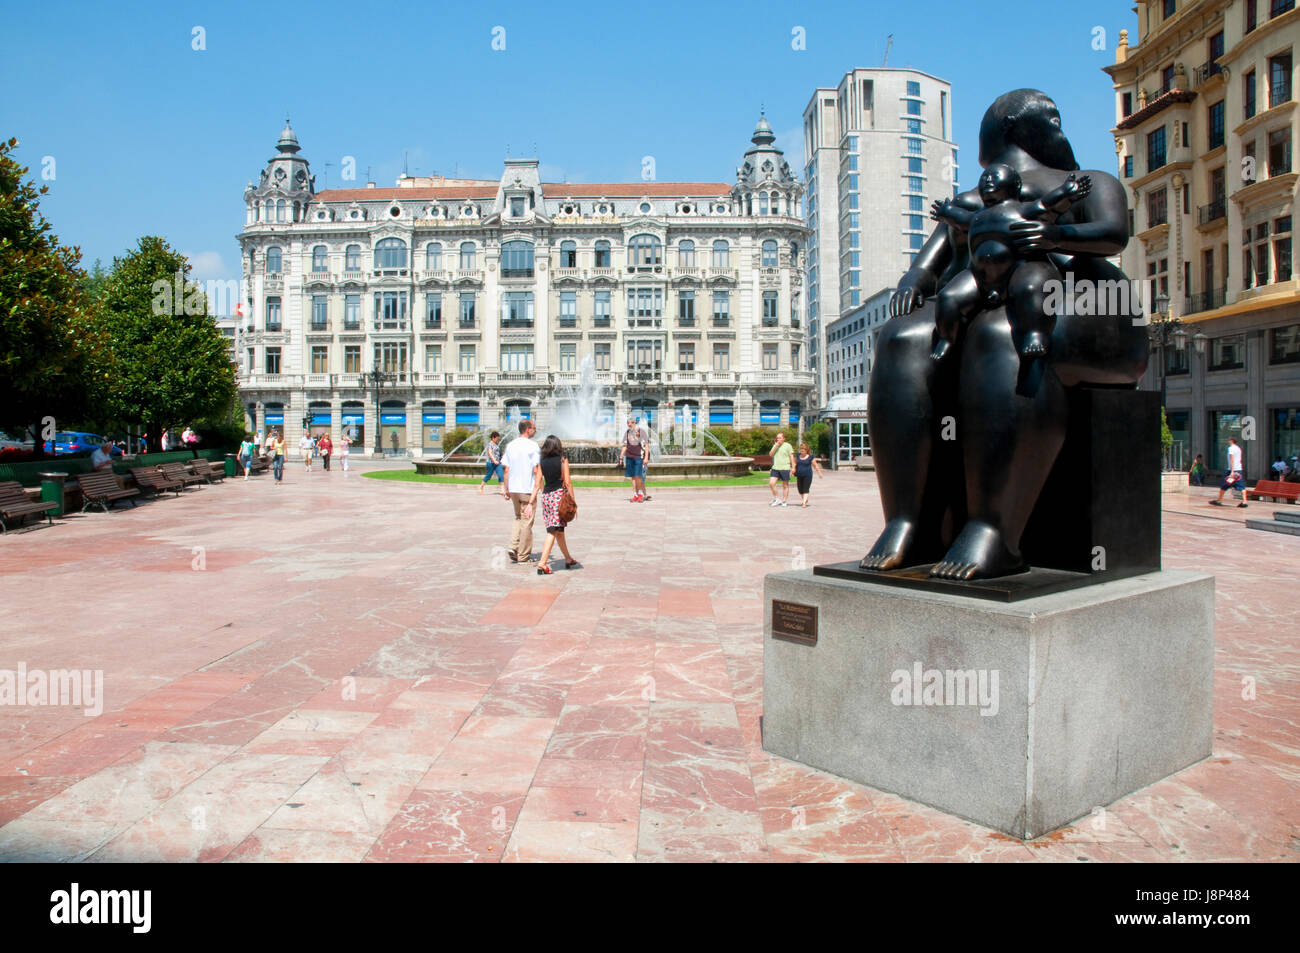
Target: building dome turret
x,y
288,140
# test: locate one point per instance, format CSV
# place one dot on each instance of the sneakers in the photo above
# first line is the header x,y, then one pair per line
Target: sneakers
x,y
1241,506
637,498
783,503
775,503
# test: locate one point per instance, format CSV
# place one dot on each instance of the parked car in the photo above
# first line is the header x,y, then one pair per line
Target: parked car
x,y
9,442
77,442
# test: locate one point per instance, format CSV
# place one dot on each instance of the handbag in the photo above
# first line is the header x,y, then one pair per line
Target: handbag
x,y
568,507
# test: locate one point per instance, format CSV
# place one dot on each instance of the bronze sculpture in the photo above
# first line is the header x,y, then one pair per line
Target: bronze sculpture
x,y
964,446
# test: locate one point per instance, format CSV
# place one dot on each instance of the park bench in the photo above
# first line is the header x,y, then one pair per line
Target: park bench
x,y
16,505
210,471
178,471
1276,489
147,478
102,489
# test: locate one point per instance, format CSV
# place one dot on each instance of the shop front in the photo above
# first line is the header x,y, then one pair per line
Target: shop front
x,y
392,425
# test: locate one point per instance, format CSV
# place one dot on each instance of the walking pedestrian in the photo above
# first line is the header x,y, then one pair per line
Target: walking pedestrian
x,y
326,446
1234,479
629,455
782,462
805,464
523,471
246,455
275,444
305,447
345,443
555,481
493,462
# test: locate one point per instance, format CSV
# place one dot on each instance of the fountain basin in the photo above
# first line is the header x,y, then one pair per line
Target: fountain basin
x,y
669,467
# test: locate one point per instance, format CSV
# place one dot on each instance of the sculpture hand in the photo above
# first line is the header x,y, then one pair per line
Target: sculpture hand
x,y
1034,236
906,299
938,210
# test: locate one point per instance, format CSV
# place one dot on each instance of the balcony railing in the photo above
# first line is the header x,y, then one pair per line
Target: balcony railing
x,y
1209,213
516,322
466,324
352,325
1206,301
319,325
771,322
600,321
568,322
1205,71
719,322
435,325
686,322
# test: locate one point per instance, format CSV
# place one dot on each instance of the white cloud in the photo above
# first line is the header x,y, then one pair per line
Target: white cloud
x,y
207,265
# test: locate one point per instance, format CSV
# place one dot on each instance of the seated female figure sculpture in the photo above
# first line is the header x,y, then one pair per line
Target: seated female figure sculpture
x,y
992,262
961,456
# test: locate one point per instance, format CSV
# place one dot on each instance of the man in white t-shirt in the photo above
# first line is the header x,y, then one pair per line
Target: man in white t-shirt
x,y
306,445
523,480
102,458
1234,478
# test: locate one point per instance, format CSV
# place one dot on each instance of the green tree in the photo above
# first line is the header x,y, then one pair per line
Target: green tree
x,y
51,368
172,364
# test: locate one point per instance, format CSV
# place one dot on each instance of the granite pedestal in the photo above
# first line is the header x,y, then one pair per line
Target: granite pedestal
x,y
1019,716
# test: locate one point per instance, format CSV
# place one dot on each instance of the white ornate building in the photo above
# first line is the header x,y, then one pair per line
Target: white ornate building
x,y
479,298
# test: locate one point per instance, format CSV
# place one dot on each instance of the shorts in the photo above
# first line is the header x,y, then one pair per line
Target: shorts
x,y
782,475
551,511
632,467
805,483
1228,484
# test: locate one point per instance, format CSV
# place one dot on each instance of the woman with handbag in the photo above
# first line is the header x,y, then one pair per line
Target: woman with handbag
x,y
557,495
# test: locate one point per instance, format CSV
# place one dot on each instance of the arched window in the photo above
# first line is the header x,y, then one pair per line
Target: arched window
x,y
320,258
297,212
352,258
466,256
433,256
517,410
273,260
390,253
762,204
269,215
794,253
517,259
280,210
721,254
602,254
644,251
686,253
568,254
769,253
769,412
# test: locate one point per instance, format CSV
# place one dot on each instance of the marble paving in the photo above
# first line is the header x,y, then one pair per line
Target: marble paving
x,y
343,669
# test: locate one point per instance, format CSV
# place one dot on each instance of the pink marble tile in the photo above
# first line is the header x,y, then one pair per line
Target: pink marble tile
x,y
449,827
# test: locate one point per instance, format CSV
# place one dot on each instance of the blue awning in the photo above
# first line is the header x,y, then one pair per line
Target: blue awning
x,y
354,418
392,418
321,419
720,416
439,418
466,415
275,419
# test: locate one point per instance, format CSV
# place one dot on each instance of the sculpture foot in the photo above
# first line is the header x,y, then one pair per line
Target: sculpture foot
x,y
941,349
1033,345
979,552
891,547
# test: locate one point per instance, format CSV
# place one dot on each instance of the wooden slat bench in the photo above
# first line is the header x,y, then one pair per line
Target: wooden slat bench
x,y
147,478
102,490
1276,489
210,471
179,471
16,505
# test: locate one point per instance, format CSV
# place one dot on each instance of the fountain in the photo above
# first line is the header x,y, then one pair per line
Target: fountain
x,y
586,421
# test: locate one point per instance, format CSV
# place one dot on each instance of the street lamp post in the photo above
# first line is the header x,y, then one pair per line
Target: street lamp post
x,y
1170,329
375,380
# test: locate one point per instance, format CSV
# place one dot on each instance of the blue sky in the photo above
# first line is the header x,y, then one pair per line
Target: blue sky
x,y
150,136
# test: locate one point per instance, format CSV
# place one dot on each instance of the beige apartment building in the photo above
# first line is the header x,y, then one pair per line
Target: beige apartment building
x,y
1205,134
480,301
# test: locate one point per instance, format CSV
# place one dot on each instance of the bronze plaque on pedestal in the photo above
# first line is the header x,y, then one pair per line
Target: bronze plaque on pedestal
x,y
794,622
